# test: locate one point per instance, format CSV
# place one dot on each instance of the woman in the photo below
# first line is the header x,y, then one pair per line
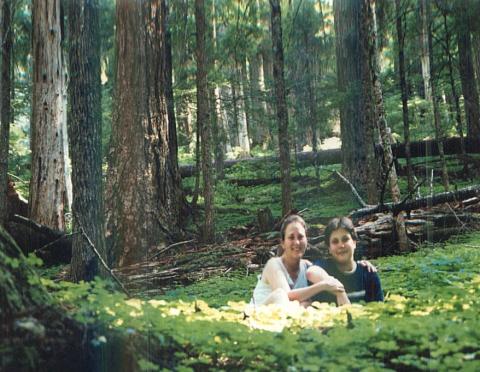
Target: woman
x,y
286,278
361,284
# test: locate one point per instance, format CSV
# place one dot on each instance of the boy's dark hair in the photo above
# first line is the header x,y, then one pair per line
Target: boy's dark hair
x,y
339,223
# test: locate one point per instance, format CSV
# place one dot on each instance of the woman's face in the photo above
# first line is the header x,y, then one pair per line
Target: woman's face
x,y
295,241
342,246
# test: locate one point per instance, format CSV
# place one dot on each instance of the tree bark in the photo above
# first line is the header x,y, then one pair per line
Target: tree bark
x,y
388,161
281,106
143,194
467,76
424,54
400,16
356,115
5,102
47,185
85,134
435,101
219,134
203,123
456,100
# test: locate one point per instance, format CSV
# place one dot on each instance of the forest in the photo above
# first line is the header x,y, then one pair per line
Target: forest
x,y
151,149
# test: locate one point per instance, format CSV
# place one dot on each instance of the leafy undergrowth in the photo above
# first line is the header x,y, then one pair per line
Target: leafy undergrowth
x,y
430,321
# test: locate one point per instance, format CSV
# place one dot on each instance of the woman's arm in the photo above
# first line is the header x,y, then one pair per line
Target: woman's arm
x,y
315,274
275,277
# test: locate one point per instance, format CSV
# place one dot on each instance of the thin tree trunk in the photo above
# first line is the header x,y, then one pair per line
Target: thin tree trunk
x,y
217,124
424,54
5,102
403,87
243,138
85,133
281,106
369,8
456,100
203,122
47,185
435,100
181,76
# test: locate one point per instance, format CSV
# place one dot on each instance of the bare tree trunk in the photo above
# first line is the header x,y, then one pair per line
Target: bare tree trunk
x,y
435,101
369,9
356,110
181,76
243,138
203,123
424,54
5,102
400,15
85,133
143,194
467,75
456,100
47,185
219,135
281,106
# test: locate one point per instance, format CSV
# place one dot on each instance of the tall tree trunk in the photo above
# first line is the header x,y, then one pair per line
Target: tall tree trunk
x,y
47,185
424,54
385,134
243,138
5,101
219,135
456,100
85,134
281,106
356,107
436,104
259,131
203,123
143,194
181,76
235,123
467,76
400,15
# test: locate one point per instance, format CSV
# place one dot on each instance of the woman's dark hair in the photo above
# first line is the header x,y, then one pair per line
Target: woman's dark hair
x,y
339,223
291,219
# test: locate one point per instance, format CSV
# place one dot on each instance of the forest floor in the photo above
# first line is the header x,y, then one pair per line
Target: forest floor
x,y
429,320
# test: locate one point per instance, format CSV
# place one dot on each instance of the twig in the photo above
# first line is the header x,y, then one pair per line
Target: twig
x,y
17,178
463,226
354,191
170,246
110,271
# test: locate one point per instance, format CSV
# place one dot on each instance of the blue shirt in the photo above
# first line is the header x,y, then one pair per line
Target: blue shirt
x,y
360,285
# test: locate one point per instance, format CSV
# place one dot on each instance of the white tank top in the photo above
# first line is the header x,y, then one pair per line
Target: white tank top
x,y
262,289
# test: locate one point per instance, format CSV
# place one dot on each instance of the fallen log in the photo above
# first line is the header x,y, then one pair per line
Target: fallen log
x,y
52,246
334,156
406,206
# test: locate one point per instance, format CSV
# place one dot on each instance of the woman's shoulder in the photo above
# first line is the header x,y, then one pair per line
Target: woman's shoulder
x,y
273,262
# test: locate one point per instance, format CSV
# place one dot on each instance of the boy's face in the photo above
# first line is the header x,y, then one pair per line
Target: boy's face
x,y
342,246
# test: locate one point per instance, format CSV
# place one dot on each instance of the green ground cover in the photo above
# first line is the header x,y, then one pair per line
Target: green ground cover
x,y
430,321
